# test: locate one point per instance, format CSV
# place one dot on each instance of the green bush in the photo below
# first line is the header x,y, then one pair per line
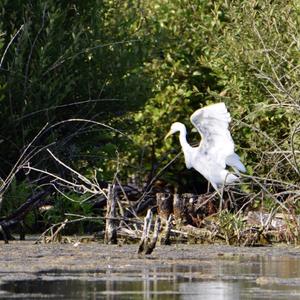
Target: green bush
x,y
244,53
140,66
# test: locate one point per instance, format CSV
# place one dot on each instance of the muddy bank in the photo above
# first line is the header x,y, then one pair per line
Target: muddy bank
x,y
24,259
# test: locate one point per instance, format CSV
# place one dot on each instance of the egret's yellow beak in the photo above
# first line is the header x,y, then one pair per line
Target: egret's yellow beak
x,y
168,134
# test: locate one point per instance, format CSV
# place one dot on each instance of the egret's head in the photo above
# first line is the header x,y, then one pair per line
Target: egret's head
x,y
175,127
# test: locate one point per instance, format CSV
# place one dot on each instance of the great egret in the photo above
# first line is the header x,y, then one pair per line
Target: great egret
x,y
216,148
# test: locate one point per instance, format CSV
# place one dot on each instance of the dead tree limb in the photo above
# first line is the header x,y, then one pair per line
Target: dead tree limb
x,y
19,214
145,235
146,245
167,234
110,228
151,245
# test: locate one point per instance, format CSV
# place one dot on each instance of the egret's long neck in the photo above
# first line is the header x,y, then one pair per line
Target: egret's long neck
x,y
182,139
186,148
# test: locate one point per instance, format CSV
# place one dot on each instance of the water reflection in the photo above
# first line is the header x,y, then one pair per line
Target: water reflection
x,y
221,279
213,290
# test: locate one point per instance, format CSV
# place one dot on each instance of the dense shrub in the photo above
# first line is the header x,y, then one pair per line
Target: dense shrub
x,y
138,67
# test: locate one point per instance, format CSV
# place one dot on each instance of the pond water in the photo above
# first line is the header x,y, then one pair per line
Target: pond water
x,y
218,278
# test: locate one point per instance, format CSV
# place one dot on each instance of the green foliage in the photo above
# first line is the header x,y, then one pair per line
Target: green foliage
x,y
231,226
68,60
15,196
138,67
17,193
75,204
257,63
244,53
177,33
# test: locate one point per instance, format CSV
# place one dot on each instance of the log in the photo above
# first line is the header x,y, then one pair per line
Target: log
x,y
20,213
4,235
110,236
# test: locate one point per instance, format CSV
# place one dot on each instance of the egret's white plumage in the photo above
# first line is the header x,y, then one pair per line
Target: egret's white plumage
x,y
216,148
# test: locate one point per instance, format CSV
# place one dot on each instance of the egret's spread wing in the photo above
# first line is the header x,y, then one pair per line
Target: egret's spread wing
x,y
212,123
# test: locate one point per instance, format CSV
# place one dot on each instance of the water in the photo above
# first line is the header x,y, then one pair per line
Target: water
x,y
235,277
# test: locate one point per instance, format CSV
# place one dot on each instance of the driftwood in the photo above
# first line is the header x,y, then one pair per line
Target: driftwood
x,y
146,231
55,236
110,228
35,201
4,234
147,245
152,243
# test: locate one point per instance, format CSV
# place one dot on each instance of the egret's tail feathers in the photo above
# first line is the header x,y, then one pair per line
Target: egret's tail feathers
x,y
230,178
234,161
227,178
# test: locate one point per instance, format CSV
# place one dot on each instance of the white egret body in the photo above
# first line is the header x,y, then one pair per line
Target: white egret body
x,y
216,148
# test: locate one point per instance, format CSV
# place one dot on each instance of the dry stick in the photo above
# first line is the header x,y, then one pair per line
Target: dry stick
x,y
281,87
70,184
91,122
156,176
94,187
68,105
127,200
166,240
62,59
81,218
50,229
116,181
272,181
295,130
122,190
110,228
252,198
146,230
54,236
271,141
19,164
270,194
66,196
31,51
296,195
206,201
150,246
8,45
178,207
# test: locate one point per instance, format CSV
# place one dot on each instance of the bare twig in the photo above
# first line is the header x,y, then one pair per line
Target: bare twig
x,y
8,45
